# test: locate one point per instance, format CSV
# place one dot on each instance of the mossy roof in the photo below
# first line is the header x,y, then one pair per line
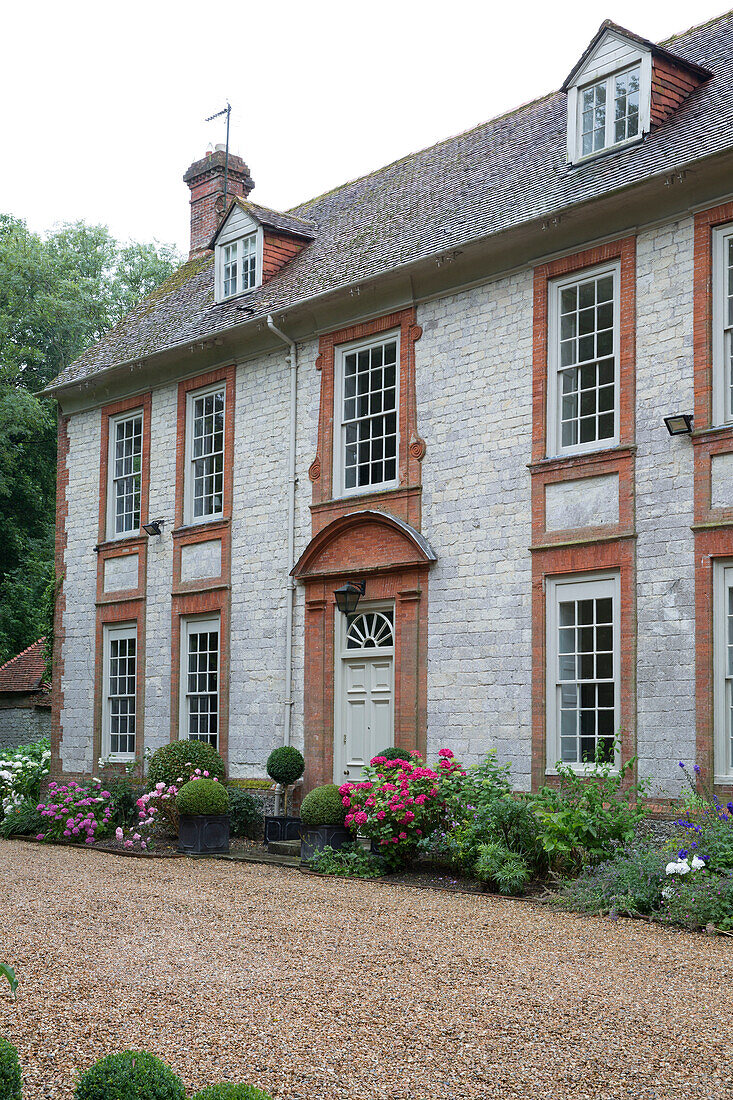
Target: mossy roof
x,y
500,174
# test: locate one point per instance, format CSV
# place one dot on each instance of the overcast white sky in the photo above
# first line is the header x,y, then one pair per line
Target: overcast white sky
x,y
103,104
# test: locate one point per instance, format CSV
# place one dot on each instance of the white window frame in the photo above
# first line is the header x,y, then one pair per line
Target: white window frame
x,y
577,587
194,624
112,424
188,478
225,242
554,367
722,374
722,686
339,445
117,631
608,76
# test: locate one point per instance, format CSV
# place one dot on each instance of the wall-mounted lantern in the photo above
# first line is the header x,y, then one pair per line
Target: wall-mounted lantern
x,y
347,597
154,527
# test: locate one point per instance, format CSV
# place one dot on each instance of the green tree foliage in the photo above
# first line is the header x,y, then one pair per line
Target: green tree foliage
x,y
58,295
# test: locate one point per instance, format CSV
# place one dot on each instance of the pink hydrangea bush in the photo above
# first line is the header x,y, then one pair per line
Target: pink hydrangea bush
x,y
76,812
398,803
157,810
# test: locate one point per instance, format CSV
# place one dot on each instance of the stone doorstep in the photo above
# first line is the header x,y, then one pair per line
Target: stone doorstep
x,y
284,848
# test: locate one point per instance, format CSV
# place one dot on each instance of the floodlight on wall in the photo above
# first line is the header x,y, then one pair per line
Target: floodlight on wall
x,y
154,527
347,597
679,424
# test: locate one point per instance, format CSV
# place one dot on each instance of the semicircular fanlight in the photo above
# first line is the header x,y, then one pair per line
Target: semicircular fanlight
x,y
370,630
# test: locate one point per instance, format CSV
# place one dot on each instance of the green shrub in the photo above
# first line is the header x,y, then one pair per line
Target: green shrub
x,y
285,765
124,801
202,796
351,861
504,821
179,759
323,806
505,870
131,1075
10,1080
245,816
393,753
699,899
629,885
230,1091
22,820
586,815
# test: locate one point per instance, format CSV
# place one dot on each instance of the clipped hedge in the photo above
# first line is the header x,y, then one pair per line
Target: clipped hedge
x,y
285,765
229,1091
202,796
131,1075
178,759
10,1080
323,806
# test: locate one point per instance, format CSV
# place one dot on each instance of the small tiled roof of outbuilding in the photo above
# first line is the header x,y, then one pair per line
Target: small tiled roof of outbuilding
x,y
510,170
24,674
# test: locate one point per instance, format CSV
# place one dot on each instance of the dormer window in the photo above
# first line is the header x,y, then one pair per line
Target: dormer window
x,y
239,265
620,89
253,244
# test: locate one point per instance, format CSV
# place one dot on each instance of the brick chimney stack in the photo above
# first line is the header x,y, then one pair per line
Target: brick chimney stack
x,y
206,180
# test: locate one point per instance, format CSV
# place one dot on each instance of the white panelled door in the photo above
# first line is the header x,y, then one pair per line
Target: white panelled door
x,y
365,699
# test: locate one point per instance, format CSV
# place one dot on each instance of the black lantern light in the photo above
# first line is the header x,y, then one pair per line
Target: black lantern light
x,y
347,597
679,424
153,528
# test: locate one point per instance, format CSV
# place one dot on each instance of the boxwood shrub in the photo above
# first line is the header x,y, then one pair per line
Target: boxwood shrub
x,y
230,1091
323,806
202,796
393,753
245,816
131,1075
10,1080
285,765
178,759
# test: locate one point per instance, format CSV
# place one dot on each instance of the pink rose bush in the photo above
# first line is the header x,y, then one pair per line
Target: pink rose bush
x,y
76,812
398,803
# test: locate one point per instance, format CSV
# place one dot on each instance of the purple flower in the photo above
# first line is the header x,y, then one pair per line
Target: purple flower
x,y
681,764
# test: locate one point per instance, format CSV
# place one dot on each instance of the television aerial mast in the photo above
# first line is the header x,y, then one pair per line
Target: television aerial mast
x,y
226,111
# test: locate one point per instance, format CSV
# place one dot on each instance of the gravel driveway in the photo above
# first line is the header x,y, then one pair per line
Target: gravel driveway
x,y
317,989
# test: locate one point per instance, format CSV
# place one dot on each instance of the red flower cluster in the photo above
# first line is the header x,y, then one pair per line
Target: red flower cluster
x,y
397,803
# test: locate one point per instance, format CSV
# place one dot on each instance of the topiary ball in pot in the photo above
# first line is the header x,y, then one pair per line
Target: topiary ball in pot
x,y
230,1091
178,759
202,796
285,765
323,806
131,1075
10,1079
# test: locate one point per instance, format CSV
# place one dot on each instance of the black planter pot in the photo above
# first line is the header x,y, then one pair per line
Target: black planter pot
x,y
203,834
281,828
314,838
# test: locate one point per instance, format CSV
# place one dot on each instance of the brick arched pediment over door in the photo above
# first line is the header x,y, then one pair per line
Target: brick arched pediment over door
x,y
394,561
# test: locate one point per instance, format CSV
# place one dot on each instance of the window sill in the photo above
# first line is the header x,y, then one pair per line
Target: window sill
x,y
584,458
128,542
581,770
608,151
202,525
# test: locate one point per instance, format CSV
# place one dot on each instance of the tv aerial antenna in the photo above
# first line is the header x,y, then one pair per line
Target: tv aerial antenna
x,y
226,111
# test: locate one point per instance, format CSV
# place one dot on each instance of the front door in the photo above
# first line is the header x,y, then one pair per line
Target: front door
x,y
365,702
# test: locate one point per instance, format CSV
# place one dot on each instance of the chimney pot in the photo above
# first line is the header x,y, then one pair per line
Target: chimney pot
x,y
205,179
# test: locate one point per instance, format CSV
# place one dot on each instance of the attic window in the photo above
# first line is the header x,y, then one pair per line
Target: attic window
x,y
238,267
600,127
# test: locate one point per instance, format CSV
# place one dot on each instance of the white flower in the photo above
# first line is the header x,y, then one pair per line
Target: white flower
x,y
680,867
697,863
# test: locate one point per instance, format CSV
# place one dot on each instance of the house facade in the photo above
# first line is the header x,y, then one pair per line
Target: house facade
x,y
444,388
